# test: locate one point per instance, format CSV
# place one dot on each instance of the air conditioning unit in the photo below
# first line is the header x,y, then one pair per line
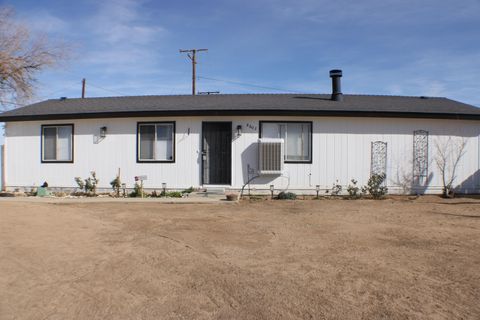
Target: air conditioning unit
x,y
270,156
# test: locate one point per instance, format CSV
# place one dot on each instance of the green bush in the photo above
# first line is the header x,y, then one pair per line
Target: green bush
x,y
336,189
137,191
89,184
80,183
174,194
169,194
116,185
353,190
189,190
286,196
375,186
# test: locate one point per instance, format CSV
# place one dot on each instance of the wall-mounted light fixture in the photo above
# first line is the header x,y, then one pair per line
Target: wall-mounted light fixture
x,y
272,189
239,130
103,132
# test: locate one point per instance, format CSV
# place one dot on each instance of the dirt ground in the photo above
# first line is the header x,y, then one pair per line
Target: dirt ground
x,y
319,259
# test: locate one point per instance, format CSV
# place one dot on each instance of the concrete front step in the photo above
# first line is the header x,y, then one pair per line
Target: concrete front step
x,y
212,192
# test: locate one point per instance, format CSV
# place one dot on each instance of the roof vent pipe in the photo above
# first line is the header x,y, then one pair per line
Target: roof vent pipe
x,y
336,85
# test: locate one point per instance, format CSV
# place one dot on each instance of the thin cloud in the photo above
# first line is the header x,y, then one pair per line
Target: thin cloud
x,y
124,21
384,47
374,12
45,22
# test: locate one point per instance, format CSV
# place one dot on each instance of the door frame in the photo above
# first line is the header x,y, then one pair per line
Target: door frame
x,y
202,148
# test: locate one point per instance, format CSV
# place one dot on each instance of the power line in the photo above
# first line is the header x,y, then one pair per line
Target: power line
x,y
250,85
105,89
65,86
96,86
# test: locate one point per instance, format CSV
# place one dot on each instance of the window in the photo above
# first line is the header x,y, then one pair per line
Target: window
x,y
57,143
297,137
156,142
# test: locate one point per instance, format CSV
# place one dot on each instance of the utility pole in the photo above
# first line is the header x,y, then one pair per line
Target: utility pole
x,y
191,53
83,87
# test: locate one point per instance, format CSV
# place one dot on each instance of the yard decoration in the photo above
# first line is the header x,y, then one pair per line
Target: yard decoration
x,y
42,192
231,196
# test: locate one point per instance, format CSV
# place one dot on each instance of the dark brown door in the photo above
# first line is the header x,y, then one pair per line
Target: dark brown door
x,y
217,152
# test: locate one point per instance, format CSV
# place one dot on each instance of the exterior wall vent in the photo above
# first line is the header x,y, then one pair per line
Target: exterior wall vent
x,y
270,156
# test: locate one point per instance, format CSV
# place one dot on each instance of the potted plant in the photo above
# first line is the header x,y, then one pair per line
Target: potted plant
x,y
232,196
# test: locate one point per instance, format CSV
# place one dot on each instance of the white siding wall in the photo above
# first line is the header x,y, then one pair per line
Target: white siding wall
x,y
341,151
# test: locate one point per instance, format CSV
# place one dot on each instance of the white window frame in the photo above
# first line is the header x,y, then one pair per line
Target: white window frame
x,y
155,124
285,126
56,126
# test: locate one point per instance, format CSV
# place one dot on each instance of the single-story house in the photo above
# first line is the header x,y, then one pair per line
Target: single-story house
x,y
297,142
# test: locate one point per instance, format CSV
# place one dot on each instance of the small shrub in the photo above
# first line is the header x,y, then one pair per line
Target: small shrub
x,y
116,185
375,186
137,191
189,190
286,196
169,194
336,189
80,183
353,190
174,194
89,184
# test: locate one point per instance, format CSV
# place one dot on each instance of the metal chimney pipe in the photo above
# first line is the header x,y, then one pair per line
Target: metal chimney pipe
x,y
336,85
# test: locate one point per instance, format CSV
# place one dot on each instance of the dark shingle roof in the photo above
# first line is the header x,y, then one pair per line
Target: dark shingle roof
x,y
244,104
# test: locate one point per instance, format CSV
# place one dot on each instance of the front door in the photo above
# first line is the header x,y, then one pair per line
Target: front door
x,y
217,152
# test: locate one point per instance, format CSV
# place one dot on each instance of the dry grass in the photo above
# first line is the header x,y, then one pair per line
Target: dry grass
x,y
392,259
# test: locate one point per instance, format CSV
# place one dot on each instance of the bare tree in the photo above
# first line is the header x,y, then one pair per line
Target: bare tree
x,y
22,55
449,153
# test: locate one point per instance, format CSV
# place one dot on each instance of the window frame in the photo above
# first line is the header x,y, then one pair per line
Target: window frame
x,y
173,142
310,161
42,141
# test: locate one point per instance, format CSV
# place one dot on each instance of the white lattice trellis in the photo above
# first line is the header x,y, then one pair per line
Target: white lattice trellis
x,y
420,156
379,158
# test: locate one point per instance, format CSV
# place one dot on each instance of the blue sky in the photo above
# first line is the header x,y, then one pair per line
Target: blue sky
x,y
126,47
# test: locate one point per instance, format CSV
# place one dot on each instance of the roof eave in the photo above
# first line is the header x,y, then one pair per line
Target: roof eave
x,y
265,112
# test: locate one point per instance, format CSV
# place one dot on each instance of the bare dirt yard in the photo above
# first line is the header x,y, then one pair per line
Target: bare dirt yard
x,y
319,259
